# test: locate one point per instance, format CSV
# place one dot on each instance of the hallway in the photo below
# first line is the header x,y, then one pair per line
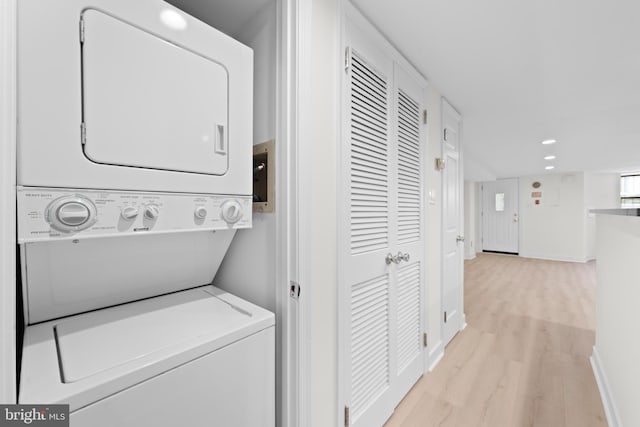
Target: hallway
x,y
523,359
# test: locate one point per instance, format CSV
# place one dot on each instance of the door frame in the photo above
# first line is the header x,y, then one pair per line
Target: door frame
x,y
293,211
447,108
8,124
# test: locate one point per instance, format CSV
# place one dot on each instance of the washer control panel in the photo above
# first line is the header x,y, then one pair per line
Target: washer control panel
x,y
45,214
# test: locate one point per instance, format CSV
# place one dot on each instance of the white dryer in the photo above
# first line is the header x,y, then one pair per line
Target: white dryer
x,y
131,95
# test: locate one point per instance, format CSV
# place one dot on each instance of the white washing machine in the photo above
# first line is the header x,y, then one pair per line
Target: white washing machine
x,y
124,325
200,357
134,173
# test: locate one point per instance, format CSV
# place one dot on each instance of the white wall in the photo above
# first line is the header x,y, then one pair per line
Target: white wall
x,y
617,350
555,228
601,191
469,220
248,269
561,227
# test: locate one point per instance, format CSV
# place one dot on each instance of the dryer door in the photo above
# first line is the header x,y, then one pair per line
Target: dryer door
x,y
149,103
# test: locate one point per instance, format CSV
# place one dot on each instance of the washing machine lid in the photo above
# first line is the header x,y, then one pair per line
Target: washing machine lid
x,y
150,103
82,359
109,338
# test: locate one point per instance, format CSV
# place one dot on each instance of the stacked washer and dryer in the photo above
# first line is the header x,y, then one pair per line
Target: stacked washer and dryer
x,y
134,173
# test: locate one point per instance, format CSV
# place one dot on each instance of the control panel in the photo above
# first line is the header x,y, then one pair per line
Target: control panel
x,y
45,214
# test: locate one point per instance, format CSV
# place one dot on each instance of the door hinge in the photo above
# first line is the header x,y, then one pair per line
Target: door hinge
x,y
424,117
445,317
83,133
445,134
81,30
294,290
347,417
424,339
347,59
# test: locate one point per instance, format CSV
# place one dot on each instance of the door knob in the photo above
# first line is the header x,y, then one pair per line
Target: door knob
x,y
396,259
390,258
459,239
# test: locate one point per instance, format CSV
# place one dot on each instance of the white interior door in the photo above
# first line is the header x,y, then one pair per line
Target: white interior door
x,y
452,223
381,265
409,228
500,216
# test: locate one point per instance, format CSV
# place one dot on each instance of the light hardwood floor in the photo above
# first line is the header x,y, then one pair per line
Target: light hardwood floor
x,y
523,359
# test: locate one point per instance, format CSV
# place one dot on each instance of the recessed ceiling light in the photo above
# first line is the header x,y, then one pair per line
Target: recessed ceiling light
x,y
550,167
548,141
550,157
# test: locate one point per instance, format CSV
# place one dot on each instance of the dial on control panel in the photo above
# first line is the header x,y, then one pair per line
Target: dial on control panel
x,y
151,212
129,212
200,212
231,211
71,213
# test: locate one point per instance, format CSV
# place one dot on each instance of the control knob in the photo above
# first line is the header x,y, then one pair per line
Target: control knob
x,y
129,213
71,213
200,212
231,211
151,212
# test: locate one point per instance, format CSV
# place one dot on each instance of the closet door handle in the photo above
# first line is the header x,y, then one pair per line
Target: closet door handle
x,y
397,259
390,258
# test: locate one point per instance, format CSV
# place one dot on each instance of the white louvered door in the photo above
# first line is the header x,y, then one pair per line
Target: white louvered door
x,y
367,240
409,229
382,303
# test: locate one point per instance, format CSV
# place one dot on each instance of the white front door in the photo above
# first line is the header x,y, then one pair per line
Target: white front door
x,y
452,243
381,246
500,216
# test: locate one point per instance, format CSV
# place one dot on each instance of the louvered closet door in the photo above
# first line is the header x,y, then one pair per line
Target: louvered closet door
x,y
409,230
381,354
368,239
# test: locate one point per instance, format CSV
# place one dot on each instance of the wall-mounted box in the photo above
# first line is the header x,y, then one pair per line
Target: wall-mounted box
x,y
264,177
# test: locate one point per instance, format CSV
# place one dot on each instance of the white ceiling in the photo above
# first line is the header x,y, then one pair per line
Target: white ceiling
x,y
228,16
523,71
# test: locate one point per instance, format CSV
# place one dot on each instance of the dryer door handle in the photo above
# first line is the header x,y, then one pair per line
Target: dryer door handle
x,y
221,140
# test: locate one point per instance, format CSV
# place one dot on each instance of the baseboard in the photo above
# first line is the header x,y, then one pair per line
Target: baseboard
x,y
610,409
469,257
436,355
464,322
553,258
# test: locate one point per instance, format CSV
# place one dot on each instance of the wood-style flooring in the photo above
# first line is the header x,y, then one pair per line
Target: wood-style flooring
x,y
523,359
